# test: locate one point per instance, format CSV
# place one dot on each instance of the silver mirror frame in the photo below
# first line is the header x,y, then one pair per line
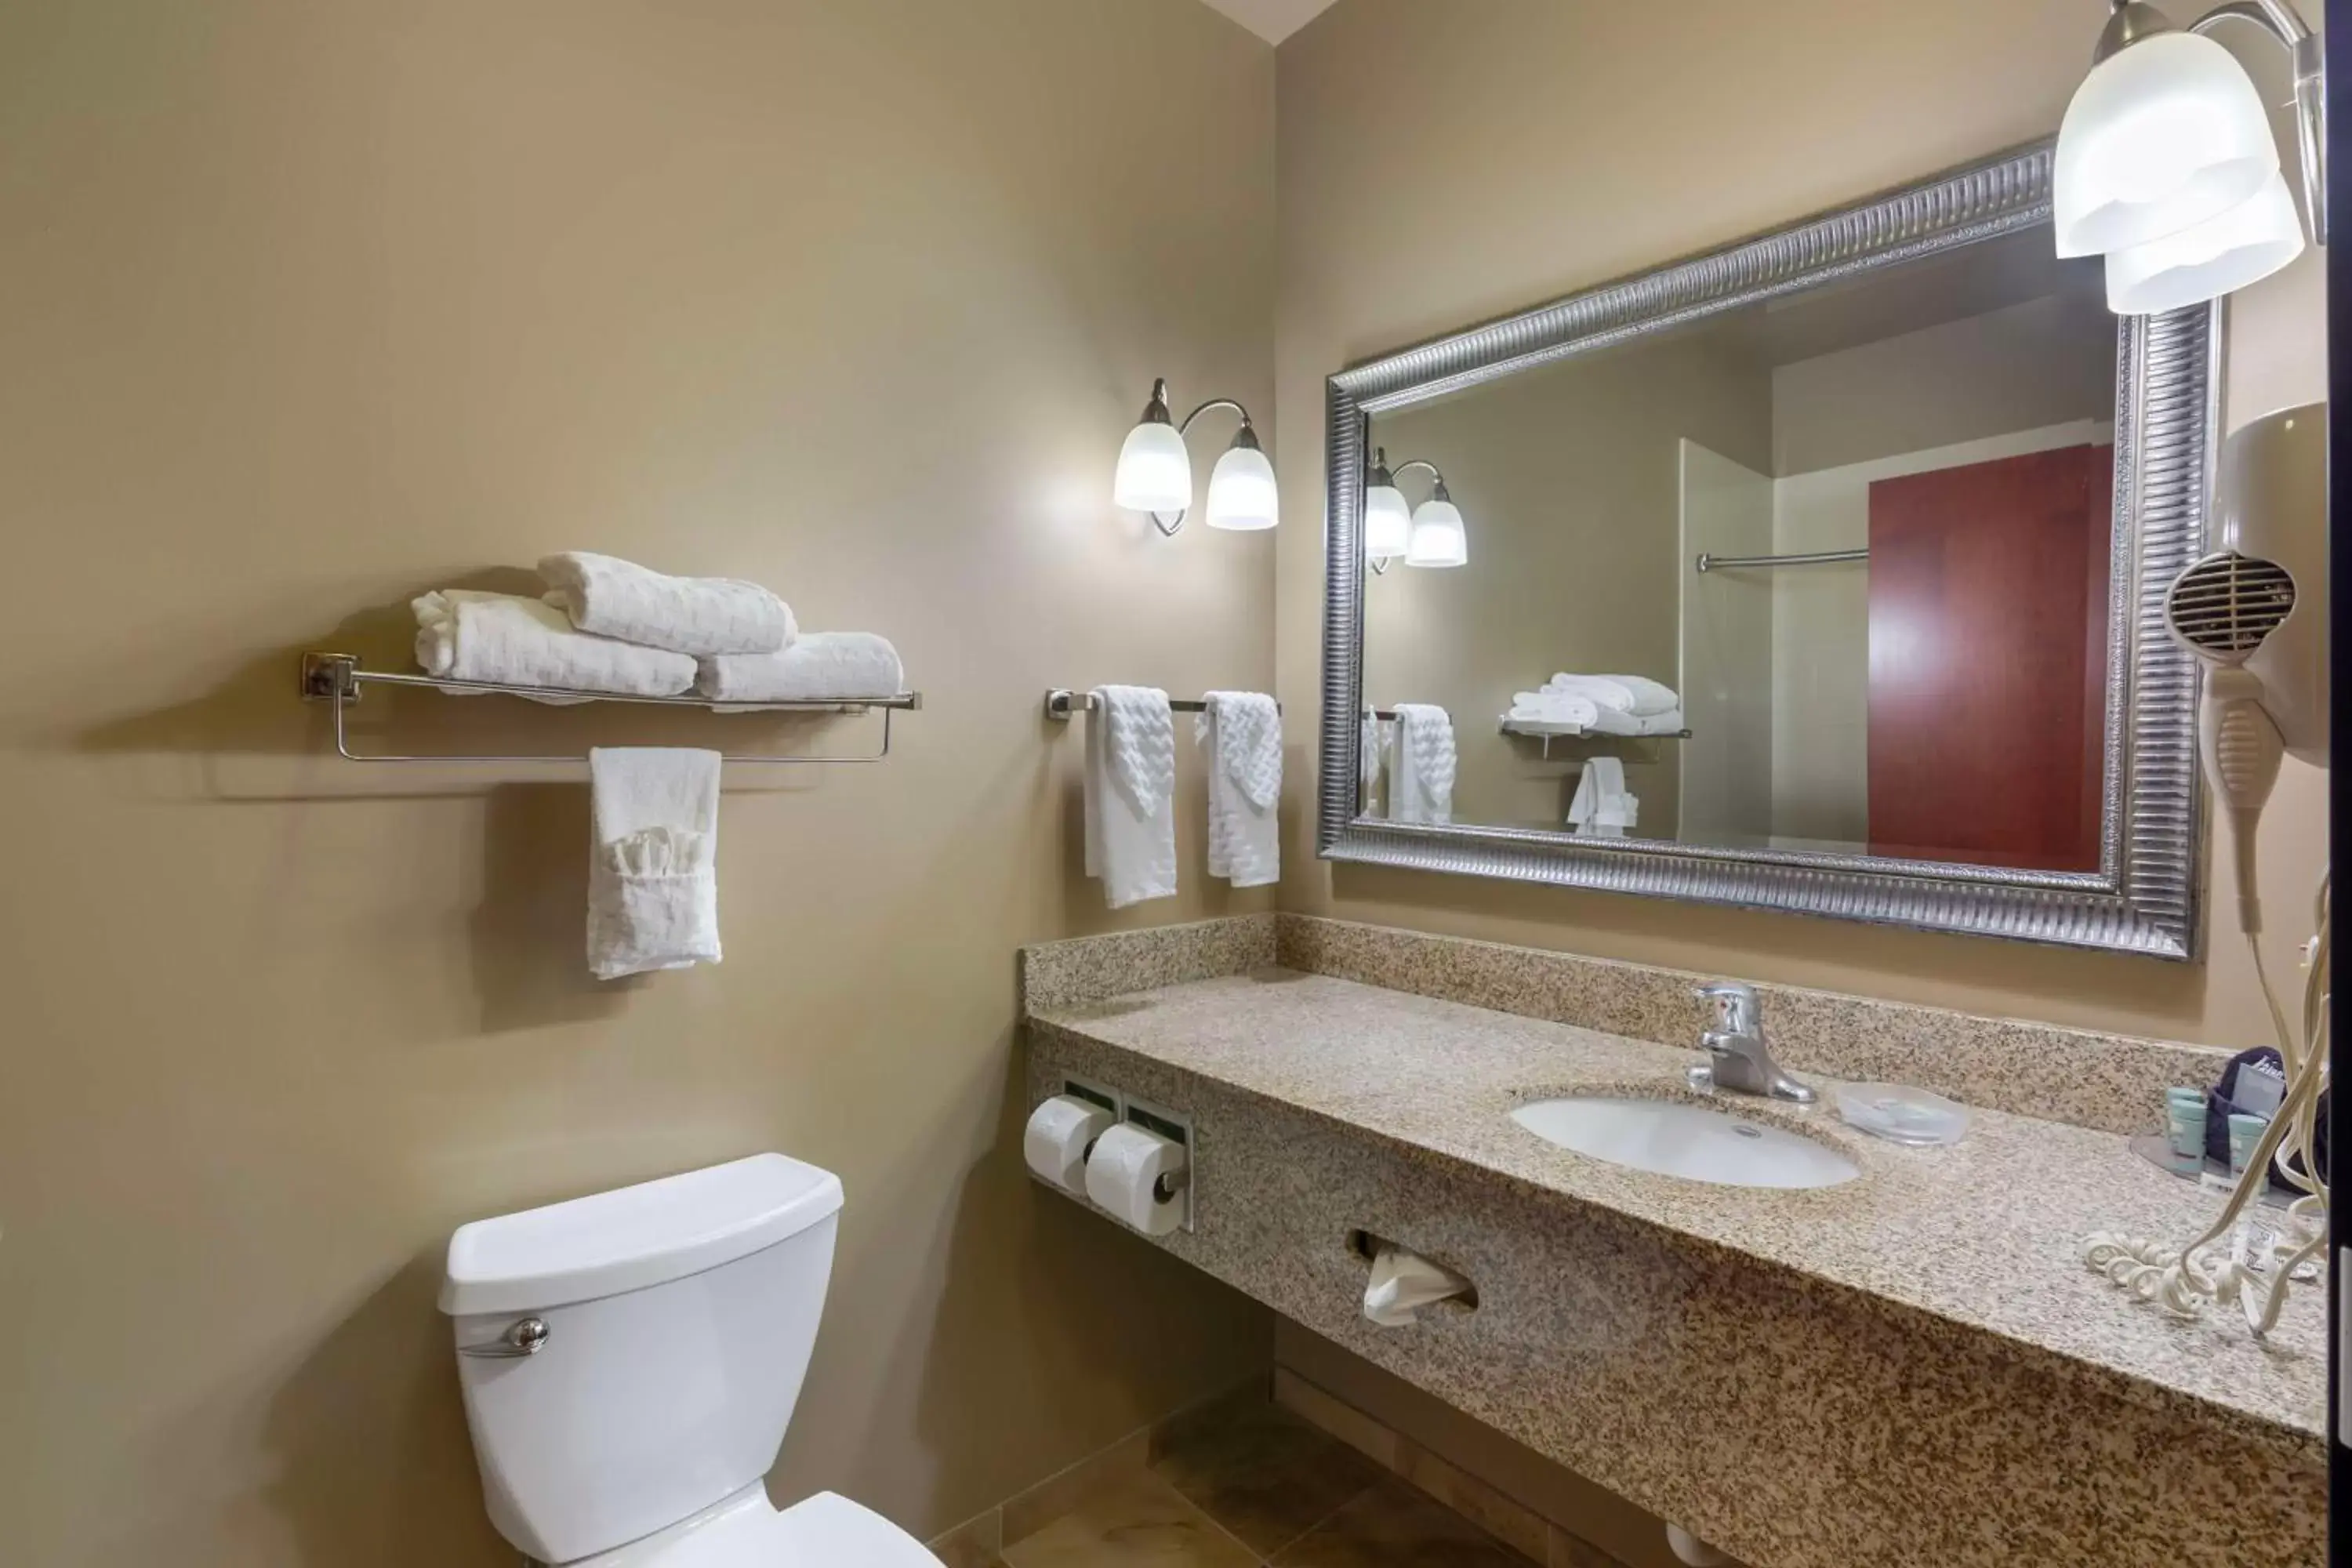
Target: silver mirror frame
x,y
2143,898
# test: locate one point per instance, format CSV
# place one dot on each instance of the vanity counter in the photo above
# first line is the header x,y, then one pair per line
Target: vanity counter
x,y
1933,1312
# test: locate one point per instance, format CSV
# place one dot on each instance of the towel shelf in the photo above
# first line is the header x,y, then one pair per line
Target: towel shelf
x,y
338,679
1064,704
1549,733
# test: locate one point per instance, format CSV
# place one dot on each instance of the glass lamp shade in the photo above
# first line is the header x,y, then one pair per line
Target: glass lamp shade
x,y
1155,471
2162,136
1387,522
2249,242
1438,536
1241,491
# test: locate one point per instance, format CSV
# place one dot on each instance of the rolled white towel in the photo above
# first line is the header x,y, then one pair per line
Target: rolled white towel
x,y
704,617
817,667
464,635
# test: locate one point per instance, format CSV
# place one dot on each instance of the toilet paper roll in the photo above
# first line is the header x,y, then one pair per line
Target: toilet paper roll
x,y
1129,1163
1059,1133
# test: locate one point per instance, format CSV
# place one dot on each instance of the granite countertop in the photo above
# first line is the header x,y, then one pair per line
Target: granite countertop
x,y
1987,1233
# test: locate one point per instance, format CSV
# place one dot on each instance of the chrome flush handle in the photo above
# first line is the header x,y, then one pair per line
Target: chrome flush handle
x,y
524,1336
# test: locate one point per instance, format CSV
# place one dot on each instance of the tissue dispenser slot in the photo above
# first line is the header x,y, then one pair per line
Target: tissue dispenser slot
x,y
1418,1270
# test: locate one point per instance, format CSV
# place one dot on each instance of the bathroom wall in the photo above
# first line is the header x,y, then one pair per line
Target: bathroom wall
x,y
309,308
1444,164
1569,483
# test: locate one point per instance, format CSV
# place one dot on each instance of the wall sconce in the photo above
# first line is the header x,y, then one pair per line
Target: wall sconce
x,y
1430,535
2166,165
1155,471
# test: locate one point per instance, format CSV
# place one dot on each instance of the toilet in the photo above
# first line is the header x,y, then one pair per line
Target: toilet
x,y
630,1361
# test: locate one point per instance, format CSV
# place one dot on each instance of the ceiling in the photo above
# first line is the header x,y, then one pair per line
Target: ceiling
x,y
1273,20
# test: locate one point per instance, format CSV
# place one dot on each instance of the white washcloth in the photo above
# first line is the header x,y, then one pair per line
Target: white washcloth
x,y
462,635
1243,732
696,615
1130,794
1602,805
653,877
1635,694
1372,756
1421,788
818,665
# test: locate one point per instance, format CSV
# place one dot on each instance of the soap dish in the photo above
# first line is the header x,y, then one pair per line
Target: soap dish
x,y
1902,1114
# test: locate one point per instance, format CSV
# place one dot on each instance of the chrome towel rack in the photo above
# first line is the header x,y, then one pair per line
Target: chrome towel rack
x,y
338,679
1707,562
1064,704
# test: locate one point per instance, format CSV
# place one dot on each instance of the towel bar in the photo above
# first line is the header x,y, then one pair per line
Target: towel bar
x,y
1064,704
337,678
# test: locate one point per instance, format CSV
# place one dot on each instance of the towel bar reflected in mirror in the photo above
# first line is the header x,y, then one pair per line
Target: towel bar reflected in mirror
x,y
1064,704
337,679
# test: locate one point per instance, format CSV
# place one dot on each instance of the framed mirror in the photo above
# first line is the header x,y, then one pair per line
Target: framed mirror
x,y
1823,573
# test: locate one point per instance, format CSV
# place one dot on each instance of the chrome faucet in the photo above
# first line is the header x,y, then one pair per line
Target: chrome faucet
x,y
1739,1057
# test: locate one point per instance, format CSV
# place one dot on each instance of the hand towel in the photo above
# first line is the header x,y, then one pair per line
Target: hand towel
x,y
1130,794
1243,734
1649,696
1602,806
1421,788
818,666
697,615
462,635
1372,755
1669,722
653,877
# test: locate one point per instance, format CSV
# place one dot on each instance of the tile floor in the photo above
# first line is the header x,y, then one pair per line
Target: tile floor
x,y
1245,1484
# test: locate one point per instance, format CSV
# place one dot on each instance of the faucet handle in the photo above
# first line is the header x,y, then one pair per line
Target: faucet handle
x,y
1735,1008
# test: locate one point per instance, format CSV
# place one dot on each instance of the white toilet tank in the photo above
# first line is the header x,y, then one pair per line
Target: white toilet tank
x,y
672,1324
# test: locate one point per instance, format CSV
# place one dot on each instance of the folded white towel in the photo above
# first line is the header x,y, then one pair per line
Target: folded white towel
x,y
1669,722
1130,794
462,635
818,666
700,616
653,877
1243,732
1636,694
1600,689
1421,787
1372,756
1554,708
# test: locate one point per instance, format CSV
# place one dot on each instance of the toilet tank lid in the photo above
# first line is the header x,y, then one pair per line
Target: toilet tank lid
x,y
628,1239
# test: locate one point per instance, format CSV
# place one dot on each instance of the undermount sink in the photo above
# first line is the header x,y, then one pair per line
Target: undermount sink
x,y
1673,1138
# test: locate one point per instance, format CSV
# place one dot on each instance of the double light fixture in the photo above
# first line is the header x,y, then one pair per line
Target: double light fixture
x,y
2166,166
1155,471
1431,534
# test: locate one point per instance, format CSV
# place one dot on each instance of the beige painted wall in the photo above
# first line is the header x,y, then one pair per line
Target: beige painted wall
x,y
1568,482
310,307
1529,149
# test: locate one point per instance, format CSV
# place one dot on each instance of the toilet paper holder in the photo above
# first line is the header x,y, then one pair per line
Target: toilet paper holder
x,y
1177,1128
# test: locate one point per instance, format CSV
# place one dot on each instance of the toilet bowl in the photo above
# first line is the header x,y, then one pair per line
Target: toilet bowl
x,y
630,1362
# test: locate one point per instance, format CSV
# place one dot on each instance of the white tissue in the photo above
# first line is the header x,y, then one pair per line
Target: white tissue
x,y
1124,1172
1401,1283
1056,1141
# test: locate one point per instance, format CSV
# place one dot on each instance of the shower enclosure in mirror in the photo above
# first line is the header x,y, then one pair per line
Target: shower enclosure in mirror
x,y
1823,572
